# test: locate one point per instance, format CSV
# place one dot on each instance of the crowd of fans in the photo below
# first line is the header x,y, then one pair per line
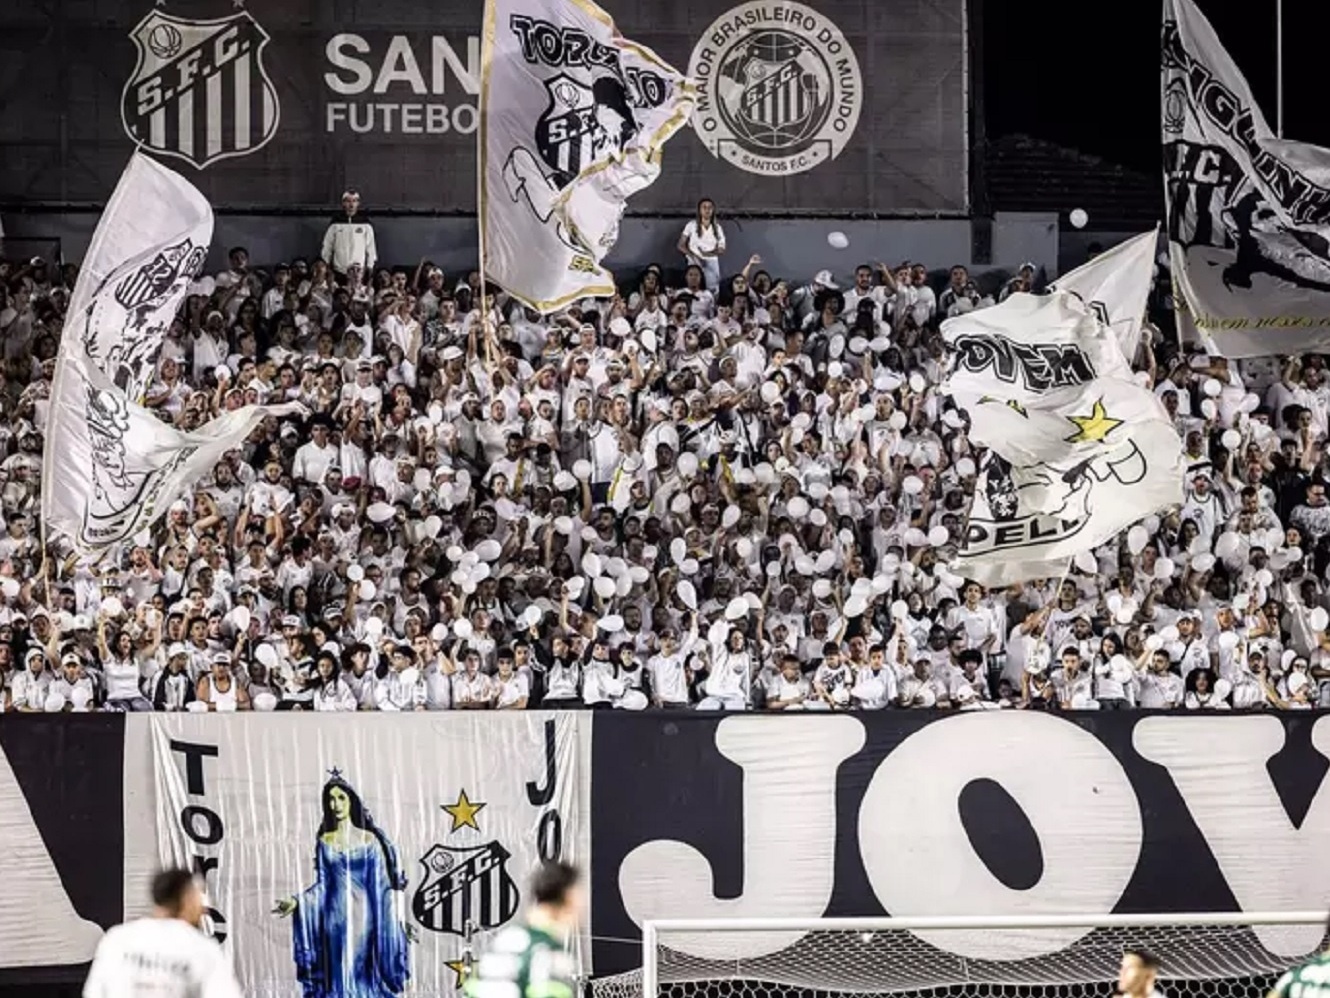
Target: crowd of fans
x,y
717,490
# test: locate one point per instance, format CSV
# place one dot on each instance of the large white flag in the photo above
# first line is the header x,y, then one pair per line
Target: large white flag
x,y
1027,520
111,467
1028,346
572,120
1248,213
1116,285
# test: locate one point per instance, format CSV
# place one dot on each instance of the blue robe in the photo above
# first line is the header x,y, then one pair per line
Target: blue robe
x,y
349,940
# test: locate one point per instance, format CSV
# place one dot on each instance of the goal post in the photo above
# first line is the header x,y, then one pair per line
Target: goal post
x,y
1007,955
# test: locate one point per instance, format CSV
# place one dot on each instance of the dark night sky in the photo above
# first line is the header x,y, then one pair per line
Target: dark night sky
x,y
1085,73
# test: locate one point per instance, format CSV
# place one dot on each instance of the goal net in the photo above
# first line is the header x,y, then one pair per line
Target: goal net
x,y
1063,956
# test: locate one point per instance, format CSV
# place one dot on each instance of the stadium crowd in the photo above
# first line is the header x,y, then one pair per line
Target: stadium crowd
x,y
720,489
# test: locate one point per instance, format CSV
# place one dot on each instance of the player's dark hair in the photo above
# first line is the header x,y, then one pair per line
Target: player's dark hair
x,y
169,888
553,881
1148,960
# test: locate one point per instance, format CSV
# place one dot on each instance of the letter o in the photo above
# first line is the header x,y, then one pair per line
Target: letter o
x,y
549,836
920,861
213,833
464,119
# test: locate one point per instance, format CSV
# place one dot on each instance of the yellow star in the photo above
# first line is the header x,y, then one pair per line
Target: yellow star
x,y
458,967
1094,427
463,812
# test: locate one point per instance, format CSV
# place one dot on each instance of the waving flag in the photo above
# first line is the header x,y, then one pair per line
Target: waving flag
x,y
1248,213
573,117
1116,286
111,467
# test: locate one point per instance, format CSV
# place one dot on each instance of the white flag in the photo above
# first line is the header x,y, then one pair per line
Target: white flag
x,y
1026,521
112,467
573,118
1067,426
1030,345
1116,285
1248,213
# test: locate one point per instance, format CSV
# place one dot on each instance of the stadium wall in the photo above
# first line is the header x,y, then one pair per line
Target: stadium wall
x,y
676,815
819,106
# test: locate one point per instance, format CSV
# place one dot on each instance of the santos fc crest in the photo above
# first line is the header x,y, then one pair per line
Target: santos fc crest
x,y
465,889
200,91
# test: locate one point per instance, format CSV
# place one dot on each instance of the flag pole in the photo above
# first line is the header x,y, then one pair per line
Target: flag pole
x,y
487,56
1279,68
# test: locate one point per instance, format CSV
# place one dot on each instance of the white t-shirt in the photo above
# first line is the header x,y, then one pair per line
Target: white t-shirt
x,y
700,240
162,957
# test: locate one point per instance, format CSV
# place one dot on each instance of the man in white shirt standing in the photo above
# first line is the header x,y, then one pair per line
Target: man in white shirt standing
x,y
316,456
165,955
349,241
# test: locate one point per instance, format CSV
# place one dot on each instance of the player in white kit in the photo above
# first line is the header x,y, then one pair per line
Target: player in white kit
x,y
165,955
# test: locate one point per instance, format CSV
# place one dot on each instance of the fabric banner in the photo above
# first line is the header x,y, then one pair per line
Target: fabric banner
x,y
284,105
1248,213
573,119
353,855
1028,346
111,467
1025,517
922,813
1116,285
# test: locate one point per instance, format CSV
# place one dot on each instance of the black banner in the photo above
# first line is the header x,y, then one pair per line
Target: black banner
x,y
984,813
61,840
806,107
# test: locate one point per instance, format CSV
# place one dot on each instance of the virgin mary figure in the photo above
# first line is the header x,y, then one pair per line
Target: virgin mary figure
x,y
349,936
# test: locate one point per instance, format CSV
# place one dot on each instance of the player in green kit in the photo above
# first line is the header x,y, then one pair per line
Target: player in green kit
x,y
531,960
1307,980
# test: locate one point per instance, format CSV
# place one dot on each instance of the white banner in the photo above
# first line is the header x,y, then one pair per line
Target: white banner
x,y
1116,285
349,855
1028,346
1026,516
1248,213
573,118
112,467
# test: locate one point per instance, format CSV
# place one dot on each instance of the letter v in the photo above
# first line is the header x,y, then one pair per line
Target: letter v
x,y
789,847
1219,767
37,920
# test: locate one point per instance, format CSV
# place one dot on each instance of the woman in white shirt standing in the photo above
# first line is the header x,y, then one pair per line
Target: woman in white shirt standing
x,y
703,241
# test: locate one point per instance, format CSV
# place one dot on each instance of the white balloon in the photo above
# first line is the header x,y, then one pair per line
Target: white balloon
x,y
1086,562
1231,439
1227,545
604,586
687,464
897,420
680,504
1212,387
1078,218
1319,619
1265,578
1137,538
582,470
770,392
938,536
912,485
366,590
489,549
1203,562
240,618
1154,642
432,526
591,564
687,594
678,550
1228,640
730,517
463,629
611,624
1164,569
801,421
736,609
822,588
900,610
917,382
112,607
855,606
689,566
838,240
799,507
1208,408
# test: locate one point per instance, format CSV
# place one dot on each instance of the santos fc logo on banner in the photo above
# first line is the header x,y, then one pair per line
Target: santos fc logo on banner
x,y
779,88
200,91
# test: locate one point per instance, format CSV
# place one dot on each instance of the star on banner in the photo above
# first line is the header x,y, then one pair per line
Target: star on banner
x,y
1094,427
463,812
458,967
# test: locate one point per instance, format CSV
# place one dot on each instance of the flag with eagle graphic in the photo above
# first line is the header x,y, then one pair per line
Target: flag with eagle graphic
x,y
573,117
